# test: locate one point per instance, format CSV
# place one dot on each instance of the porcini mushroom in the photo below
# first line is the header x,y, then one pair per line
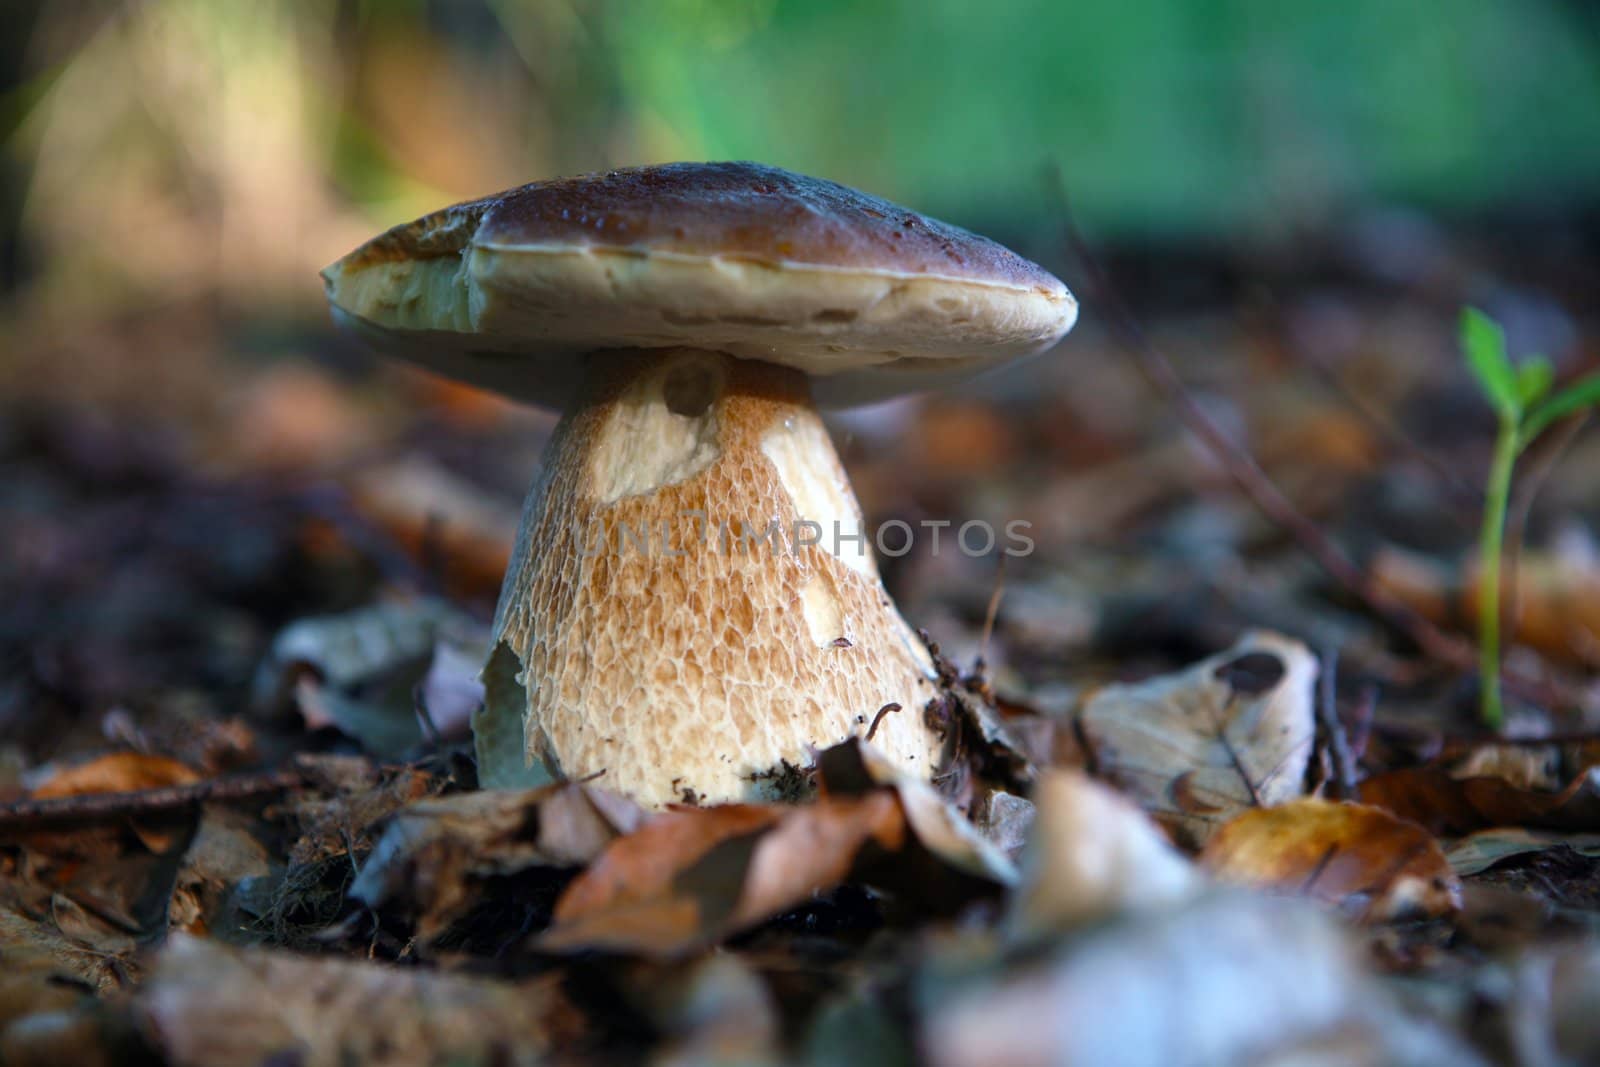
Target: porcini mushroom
x,y
693,603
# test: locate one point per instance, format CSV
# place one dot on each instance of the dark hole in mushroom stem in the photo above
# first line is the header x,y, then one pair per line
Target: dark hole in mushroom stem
x,y
690,390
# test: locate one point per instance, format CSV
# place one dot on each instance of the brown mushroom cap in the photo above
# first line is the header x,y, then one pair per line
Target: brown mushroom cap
x,y
868,298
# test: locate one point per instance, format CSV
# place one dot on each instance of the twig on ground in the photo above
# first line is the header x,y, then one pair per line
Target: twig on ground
x,y
31,815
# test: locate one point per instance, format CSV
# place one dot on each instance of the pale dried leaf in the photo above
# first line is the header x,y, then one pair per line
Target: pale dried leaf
x,y
1093,854
1224,980
1196,747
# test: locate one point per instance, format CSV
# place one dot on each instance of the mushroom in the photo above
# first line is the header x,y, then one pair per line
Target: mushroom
x,y
693,603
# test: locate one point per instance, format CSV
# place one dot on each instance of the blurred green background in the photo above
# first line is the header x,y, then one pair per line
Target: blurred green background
x,y
167,147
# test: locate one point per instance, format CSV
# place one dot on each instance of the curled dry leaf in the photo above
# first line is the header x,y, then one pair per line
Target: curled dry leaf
x,y
366,672
1195,748
692,876
1348,854
118,772
1093,853
854,767
207,1004
435,854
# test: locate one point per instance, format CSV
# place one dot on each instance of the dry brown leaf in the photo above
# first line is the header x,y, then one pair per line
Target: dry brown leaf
x,y
691,876
1194,748
223,853
1348,854
1433,797
435,854
207,1004
855,768
1094,853
117,772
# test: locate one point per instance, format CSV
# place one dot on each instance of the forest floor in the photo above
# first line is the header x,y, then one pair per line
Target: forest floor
x,y
1221,792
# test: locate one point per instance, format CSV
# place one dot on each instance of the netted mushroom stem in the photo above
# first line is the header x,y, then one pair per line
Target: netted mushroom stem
x,y
692,602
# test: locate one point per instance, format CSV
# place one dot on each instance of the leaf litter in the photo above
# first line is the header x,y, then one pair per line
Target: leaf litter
x,y
250,832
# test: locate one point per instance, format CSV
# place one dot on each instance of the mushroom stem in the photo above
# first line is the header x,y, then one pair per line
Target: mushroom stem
x,y
693,600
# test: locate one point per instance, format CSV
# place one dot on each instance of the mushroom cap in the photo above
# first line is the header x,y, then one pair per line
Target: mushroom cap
x,y
868,298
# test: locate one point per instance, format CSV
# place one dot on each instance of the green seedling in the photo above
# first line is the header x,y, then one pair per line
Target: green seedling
x,y
1521,398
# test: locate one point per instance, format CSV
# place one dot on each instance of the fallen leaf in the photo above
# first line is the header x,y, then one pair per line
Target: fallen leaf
x,y
1227,979
854,768
1434,798
435,855
1482,850
1092,854
1194,748
224,852
208,1004
368,673
118,772
1352,855
691,876
1007,822
38,954
1528,767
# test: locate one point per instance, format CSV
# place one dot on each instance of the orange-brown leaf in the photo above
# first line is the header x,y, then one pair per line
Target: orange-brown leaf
x,y
1347,854
694,875
119,772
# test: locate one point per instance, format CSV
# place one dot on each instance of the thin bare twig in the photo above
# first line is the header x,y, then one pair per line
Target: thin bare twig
x,y
1267,497
31,815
